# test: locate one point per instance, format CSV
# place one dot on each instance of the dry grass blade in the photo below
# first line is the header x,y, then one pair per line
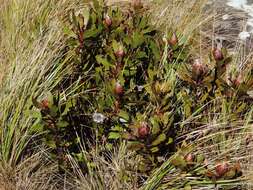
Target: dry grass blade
x,y
114,170
31,173
31,41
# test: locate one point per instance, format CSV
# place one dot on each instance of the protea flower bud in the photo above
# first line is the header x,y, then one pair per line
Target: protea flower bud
x,y
143,130
120,52
238,80
45,104
189,158
108,21
217,54
173,40
221,169
119,90
198,68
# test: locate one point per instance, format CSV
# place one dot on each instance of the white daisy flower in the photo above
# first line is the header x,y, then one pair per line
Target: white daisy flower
x,y
139,88
98,117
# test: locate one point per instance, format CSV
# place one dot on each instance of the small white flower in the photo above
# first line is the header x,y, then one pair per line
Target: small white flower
x,y
122,120
244,35
98,118
139,88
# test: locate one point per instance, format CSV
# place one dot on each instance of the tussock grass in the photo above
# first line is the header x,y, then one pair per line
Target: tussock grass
x,y
31,41
182,16
29,54
33,172
111,172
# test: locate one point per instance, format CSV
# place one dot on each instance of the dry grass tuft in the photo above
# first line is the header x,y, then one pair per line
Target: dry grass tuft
x,y
114,170
31,173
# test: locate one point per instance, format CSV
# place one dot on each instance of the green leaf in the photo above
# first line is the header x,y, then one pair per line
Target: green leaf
x,y
241,108
35,114
124,115
50,99
54,111
109,146
73,19
127,40
155,125
187,110
67,108
135,145
114,135
86,15
166,117
115,45
204,97
103,61
51,144
72,42
154,149
138,39
96,4
92,33
68,32
179,161
170,141
62,124
118,128
37,127
119,31
200,158
155,49
141,55
143,22
149,30
187,187
159,139
79,156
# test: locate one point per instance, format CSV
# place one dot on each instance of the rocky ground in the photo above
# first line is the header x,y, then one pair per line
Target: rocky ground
x,y
229,26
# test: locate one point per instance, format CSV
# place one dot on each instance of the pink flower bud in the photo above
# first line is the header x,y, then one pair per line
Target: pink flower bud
x,y
217,54
143,130
173,40
108,21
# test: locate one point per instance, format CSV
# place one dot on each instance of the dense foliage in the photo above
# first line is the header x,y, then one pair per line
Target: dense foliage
x,y
138,84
